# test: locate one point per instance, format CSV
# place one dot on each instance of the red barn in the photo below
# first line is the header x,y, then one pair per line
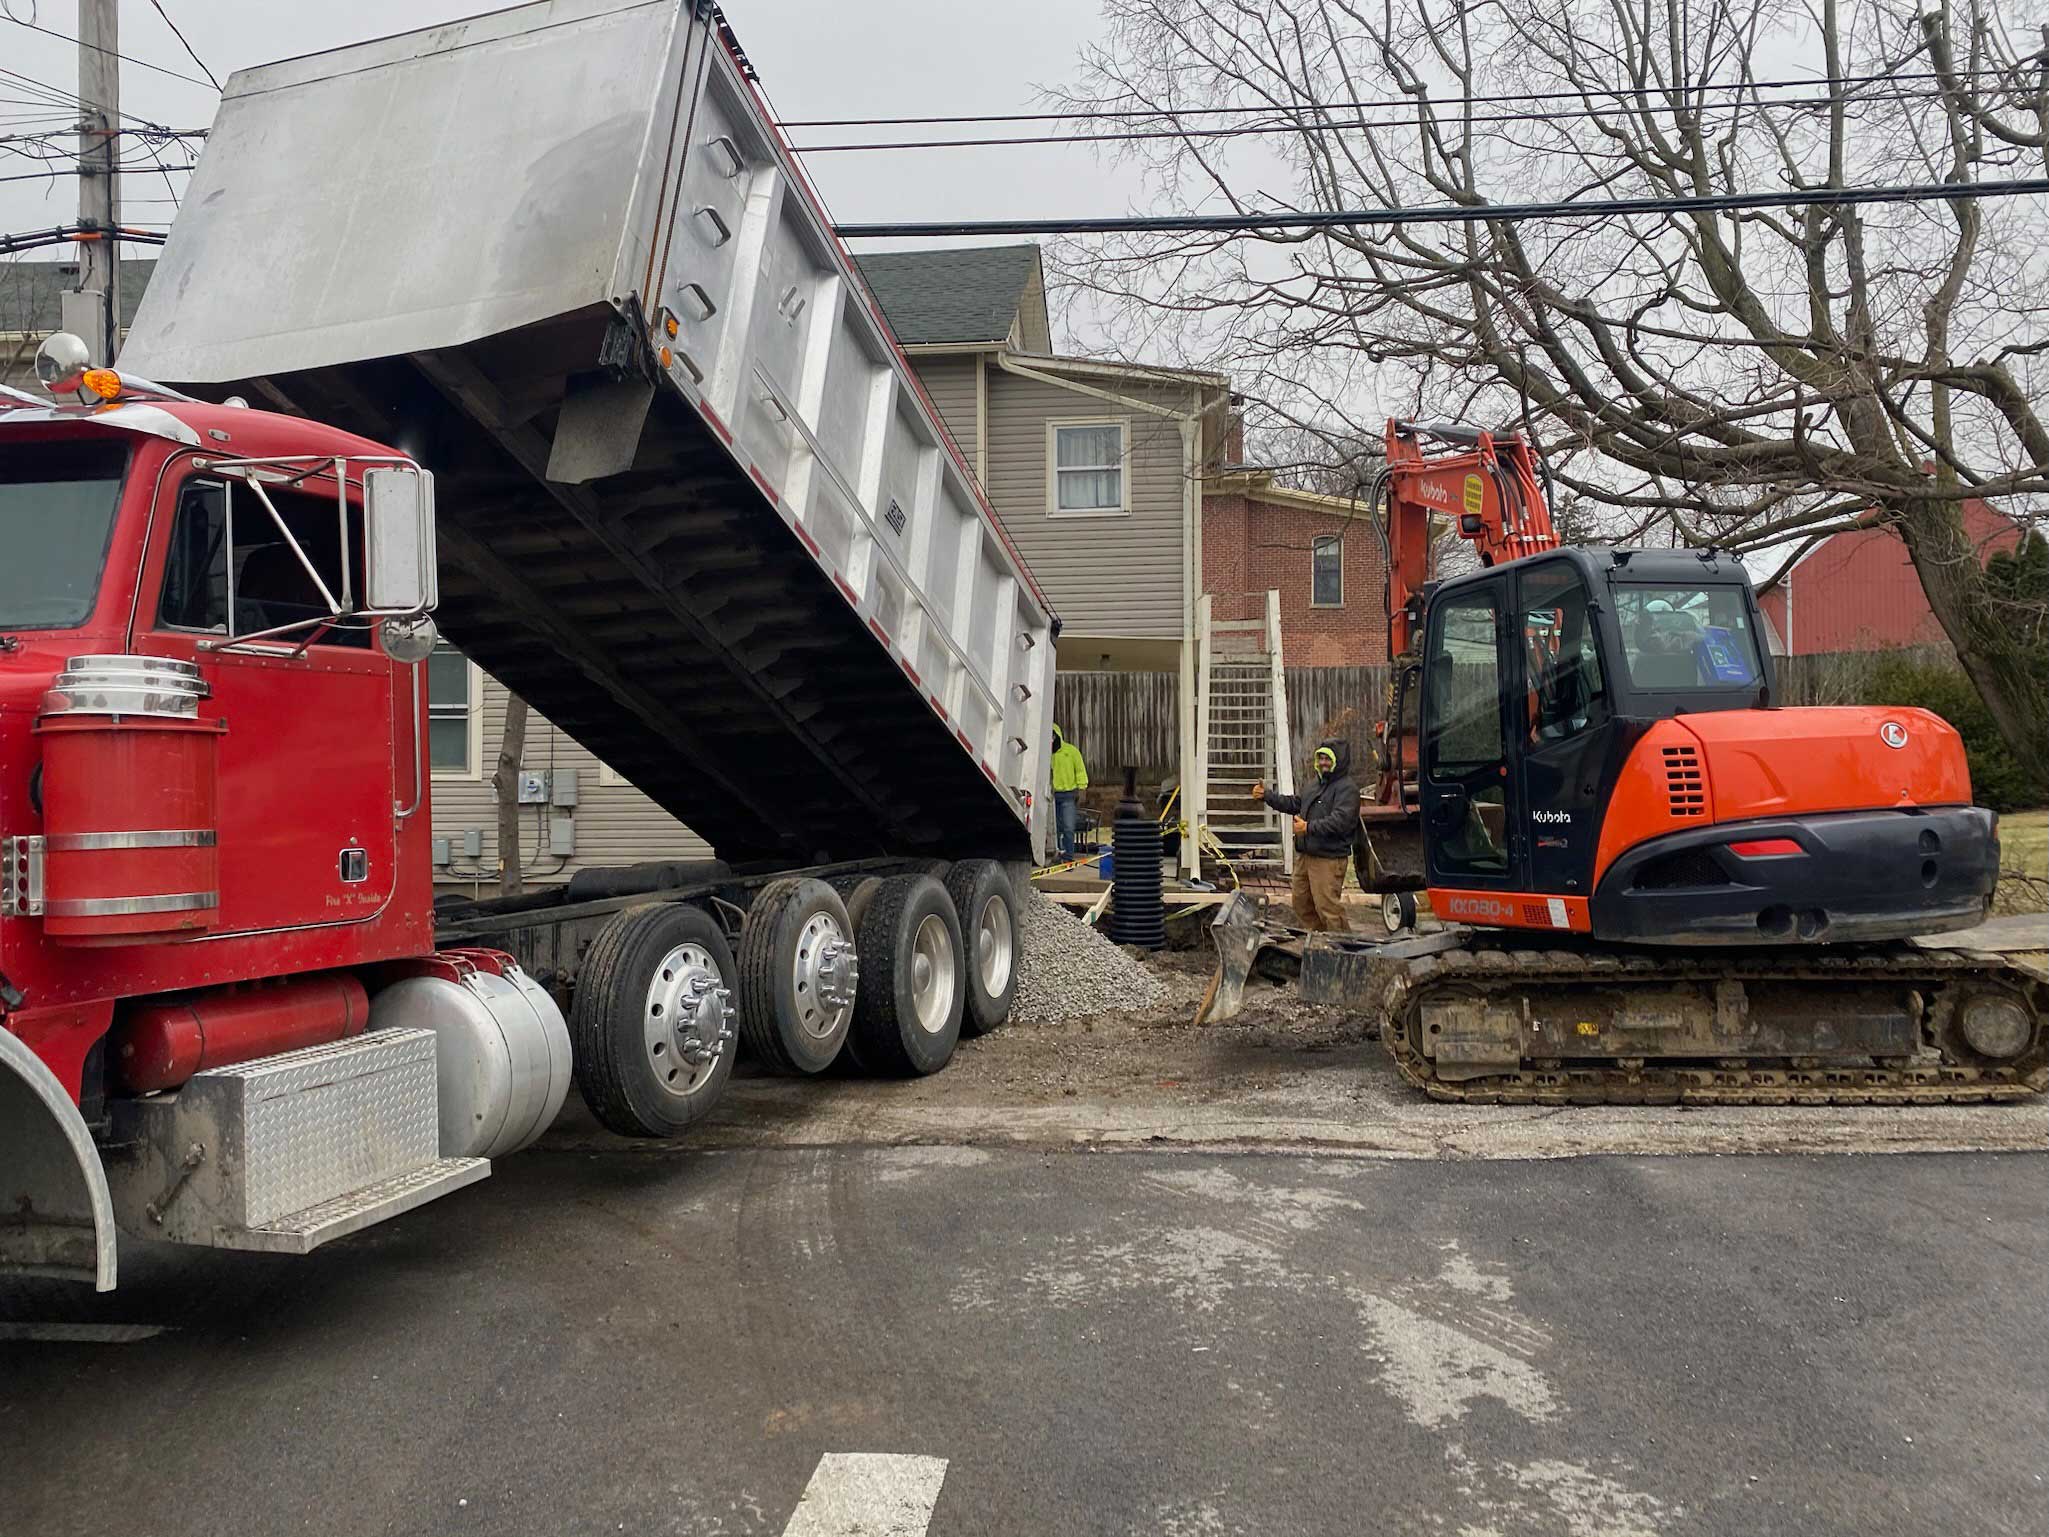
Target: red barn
x,y
1858,591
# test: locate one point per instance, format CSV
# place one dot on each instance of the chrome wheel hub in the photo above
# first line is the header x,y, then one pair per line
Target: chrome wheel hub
x,y
825,974
994,948
688,1020
932,975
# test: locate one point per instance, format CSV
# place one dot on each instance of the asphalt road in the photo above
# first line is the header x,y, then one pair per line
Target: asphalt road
x,y
1014,1343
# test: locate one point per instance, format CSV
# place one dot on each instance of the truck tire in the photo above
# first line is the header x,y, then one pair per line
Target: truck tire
x,y
858,896
651,1022
987,909
798,971
907,1018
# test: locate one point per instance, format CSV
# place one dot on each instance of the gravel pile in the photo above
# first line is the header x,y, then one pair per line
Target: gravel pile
x,y
1067,969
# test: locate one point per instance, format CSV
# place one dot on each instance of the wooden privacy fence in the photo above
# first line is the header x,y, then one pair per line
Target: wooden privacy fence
x,y
1119,718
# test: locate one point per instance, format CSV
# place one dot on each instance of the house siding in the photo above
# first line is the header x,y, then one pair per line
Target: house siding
x,y
1106,575
950,381
615,823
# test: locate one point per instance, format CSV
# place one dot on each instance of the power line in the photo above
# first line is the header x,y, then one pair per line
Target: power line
x,y
1618,93
121,170
65,234
114,52
57,96
1444,213
158,5
1284,125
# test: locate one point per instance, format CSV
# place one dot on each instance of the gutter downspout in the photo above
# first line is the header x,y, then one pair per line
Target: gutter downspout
x,y
1194,782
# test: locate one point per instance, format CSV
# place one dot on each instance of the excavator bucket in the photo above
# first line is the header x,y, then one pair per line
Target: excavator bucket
x,y
1238,935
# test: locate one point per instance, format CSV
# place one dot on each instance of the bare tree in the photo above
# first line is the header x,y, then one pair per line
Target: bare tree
x,y
1754,379
505,782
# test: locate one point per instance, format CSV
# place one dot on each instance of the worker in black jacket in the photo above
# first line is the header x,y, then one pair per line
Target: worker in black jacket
x,y
1326,823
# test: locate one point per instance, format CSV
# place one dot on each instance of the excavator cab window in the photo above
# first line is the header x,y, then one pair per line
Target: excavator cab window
x,y
1686,638
1465,783
1567,692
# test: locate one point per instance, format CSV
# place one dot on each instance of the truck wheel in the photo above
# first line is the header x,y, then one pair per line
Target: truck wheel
x,y
907,1017
652,1020
798,973
987,910
1397,911
859,895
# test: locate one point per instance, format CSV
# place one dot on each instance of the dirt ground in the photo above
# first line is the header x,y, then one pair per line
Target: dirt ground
x,y
1282,1074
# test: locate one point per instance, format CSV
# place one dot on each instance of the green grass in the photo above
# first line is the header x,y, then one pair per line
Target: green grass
x,y
2024,851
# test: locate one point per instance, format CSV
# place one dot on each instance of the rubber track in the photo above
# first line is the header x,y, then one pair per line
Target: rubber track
x,y
1931,1078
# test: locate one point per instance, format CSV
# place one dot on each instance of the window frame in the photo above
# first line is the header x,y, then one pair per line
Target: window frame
x,y
473,714
1054,426
1316,541
323,635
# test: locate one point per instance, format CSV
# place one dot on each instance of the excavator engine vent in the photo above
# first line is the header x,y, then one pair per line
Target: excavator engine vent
x,y
1684,782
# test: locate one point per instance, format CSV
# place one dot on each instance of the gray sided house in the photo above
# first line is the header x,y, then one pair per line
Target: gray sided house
x,y
1095,468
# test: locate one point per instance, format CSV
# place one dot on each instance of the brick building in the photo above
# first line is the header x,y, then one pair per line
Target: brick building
x,y
1859,591
1321,553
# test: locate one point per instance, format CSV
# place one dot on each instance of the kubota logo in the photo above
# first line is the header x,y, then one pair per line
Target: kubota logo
x,y
1433,492
1893,734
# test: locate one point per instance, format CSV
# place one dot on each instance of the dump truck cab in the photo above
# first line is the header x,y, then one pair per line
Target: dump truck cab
x,y
1602,754
210,744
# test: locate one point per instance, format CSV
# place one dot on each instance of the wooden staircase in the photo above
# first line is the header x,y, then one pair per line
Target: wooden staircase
x,y
1242,735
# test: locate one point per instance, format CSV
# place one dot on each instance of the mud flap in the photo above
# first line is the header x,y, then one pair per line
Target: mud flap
x,y
56,1216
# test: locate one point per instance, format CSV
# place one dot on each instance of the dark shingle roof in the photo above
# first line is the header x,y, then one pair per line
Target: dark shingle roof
x,y
950,296
31,293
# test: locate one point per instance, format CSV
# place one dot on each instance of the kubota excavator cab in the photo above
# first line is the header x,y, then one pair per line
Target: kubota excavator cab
x,y
1601,755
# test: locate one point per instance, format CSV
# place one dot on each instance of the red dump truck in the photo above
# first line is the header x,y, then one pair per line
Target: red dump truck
x,y
555,354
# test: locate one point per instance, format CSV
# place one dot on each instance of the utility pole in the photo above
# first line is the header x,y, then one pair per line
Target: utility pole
x,y
93,310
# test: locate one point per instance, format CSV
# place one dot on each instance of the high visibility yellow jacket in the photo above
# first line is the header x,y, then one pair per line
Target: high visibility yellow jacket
x,y
1069,771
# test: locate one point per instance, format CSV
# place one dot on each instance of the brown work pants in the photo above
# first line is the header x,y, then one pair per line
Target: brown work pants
x,y
1320,892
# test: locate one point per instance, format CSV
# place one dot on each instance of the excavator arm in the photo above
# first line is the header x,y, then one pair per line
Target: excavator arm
x,y
1486,489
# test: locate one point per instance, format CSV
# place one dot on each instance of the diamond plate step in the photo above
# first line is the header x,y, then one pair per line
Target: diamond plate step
x,y
300,1232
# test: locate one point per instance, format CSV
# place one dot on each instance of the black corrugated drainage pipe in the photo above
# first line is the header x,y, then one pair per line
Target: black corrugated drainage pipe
x,y
1137,916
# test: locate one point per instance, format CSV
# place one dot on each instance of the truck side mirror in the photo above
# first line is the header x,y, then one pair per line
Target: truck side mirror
x,y
398,522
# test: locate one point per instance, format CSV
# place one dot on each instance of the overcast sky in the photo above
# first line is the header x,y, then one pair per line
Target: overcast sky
x,y
817,58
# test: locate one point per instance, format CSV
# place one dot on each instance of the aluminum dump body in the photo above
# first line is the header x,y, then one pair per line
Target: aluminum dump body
x,y
693,504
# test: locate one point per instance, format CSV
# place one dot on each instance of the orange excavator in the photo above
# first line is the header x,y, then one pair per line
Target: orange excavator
x,y
1655,883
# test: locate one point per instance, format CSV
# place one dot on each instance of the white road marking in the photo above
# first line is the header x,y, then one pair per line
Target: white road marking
x,y
78,1334
868,1494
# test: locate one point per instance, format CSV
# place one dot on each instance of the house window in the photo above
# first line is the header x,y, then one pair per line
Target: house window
x,y
455,717
1087,467
1327,572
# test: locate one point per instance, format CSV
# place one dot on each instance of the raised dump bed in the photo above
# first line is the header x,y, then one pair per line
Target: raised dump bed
x,y
693,504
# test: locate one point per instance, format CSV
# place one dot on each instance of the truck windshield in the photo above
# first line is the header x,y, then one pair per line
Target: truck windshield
x,y
1687,637
57,504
